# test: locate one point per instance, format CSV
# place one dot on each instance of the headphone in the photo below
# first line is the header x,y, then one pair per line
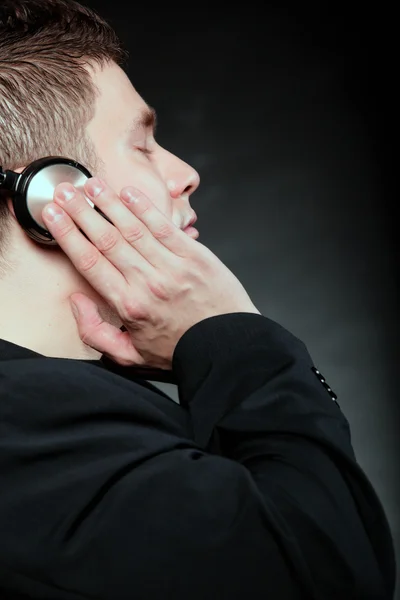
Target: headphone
x,y
32,189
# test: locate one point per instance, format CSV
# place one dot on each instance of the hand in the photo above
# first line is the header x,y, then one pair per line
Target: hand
x,y
155,277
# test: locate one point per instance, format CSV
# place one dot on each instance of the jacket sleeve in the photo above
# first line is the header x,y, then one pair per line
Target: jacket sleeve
x,y
254,397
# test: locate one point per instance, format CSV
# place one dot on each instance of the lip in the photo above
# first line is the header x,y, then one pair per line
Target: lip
x,y
191,232
192,220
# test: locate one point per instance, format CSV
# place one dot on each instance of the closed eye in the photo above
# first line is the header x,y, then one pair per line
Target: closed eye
x,y
145,151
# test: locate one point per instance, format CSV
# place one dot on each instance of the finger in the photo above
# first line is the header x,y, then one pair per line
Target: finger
x,y
103,234
102,336
85,257
160,226
132,229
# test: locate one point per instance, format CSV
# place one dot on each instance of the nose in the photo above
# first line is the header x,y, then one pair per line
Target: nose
x,y
193,182
182,179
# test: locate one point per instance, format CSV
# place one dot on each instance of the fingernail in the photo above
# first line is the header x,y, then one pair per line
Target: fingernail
x,y
95,187
53,212
129,195
74,309
66,194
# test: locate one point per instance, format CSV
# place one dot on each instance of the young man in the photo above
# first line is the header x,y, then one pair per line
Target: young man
x,y
109,490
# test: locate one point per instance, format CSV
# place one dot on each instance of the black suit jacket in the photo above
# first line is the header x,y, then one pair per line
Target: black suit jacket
x,y
249,489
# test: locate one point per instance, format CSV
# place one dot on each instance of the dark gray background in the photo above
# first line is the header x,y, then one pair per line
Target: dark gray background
x,y
285,114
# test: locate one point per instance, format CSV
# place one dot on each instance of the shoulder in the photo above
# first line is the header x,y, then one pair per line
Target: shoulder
x,y
56,377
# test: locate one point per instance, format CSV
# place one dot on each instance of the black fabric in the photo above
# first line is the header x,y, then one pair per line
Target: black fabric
x,y
248,489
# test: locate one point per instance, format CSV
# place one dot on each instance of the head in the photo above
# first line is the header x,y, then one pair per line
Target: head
x,y
64,91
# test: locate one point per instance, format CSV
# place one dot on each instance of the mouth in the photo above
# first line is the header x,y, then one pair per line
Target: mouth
x,y
191,232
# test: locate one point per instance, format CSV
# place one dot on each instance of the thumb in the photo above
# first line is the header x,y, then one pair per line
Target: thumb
x,y
107,339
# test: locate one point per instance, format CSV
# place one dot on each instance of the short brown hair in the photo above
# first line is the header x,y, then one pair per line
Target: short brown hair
x,y
47,95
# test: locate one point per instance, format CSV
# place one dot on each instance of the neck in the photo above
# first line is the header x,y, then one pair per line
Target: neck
x,y
44,326
35,310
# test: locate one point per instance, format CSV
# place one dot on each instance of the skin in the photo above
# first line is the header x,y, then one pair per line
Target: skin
x,y
34,296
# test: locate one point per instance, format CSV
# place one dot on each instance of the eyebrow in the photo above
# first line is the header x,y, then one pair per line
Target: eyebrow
x,y
147,119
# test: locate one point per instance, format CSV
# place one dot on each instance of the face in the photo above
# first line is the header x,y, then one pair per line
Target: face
x,y
123,133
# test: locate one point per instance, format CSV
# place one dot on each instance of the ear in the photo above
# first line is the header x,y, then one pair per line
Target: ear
x,y
9,200
10,206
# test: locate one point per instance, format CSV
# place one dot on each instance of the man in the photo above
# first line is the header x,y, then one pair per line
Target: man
x,y
109,490
121,134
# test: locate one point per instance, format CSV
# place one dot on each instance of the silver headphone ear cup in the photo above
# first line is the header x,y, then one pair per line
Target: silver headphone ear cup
x,y
43,184
34,188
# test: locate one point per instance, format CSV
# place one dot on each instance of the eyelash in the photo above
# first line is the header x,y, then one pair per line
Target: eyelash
x,y
145,151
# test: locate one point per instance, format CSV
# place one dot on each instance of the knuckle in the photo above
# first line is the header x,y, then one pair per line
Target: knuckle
x,y
85,337
132,310
107,241
132,268
159,289
163,231
133,234
88,260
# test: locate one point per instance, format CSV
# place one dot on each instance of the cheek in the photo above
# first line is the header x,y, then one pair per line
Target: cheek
x,y
144,177
150,183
